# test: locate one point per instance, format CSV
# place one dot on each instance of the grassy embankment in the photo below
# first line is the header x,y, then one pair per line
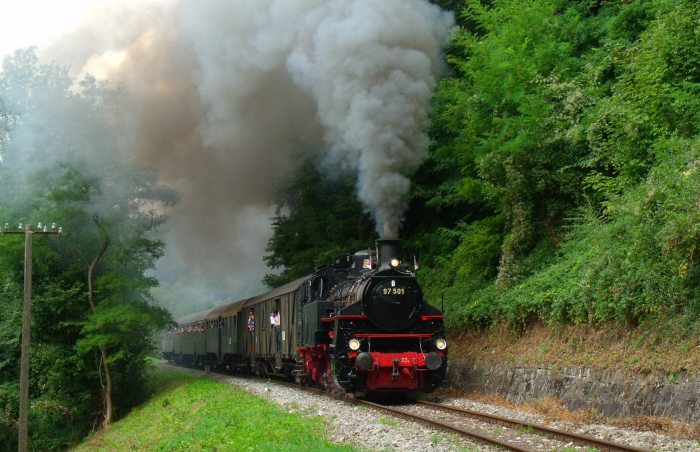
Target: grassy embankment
x,y
188,412
652,347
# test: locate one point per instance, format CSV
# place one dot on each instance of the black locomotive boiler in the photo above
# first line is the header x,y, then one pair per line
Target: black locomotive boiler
x,y
358,326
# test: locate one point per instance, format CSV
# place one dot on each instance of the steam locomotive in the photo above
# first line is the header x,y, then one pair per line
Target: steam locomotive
x,y
359,326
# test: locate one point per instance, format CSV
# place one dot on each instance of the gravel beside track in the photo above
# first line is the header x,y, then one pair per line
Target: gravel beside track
x,y
363,427
645,440
370,429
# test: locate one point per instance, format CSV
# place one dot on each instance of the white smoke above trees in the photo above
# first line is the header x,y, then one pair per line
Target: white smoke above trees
x,y
371,67
222,96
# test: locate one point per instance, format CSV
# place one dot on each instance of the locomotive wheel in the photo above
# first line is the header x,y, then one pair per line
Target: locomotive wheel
x,y
303,380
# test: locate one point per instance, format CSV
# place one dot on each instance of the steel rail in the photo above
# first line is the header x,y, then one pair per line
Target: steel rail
x,y
483,438
584,440
562,435
446,426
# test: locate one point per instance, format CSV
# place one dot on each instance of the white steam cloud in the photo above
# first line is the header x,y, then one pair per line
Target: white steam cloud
x,y
223,95
371,67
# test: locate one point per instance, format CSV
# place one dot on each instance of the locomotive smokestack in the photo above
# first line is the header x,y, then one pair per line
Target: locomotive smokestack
x,y
388,249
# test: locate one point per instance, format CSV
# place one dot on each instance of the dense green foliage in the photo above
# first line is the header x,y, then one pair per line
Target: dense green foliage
x,y
192,413
575,123
91,309
562,179
317,219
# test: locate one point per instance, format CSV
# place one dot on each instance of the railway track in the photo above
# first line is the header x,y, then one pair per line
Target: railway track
x,y
484,428
498,431
490,429
533,429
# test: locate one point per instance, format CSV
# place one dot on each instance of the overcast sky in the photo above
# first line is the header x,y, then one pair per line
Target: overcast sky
x,y
38,23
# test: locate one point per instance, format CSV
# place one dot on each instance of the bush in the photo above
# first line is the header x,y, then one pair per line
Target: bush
x,y
641,262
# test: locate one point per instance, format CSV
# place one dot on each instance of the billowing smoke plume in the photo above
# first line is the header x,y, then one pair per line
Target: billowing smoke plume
x,y
222,96
371,67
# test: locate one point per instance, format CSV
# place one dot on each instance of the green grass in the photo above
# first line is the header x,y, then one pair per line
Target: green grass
x,y
525,430
389,422
188,412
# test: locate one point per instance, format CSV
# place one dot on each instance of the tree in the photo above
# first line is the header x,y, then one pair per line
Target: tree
x,y
91,286
114,249
317,219
548,145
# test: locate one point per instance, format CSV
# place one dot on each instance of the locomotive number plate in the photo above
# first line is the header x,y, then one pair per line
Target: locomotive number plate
x,y
394,291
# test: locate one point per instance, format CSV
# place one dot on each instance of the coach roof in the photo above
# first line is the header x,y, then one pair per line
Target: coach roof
x,y
278,292
227,310
191,318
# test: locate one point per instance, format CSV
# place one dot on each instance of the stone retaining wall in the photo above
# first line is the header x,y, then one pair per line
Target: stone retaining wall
x,y
613,393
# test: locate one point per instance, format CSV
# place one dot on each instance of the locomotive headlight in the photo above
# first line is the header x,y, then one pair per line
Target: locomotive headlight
x,y
394,263
441,344
354,344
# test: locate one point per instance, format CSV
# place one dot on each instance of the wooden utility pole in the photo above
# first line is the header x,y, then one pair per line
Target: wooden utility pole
x,y
23,431
24,356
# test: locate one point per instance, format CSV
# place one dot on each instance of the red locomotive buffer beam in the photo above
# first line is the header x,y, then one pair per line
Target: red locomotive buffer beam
x,y
392,371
